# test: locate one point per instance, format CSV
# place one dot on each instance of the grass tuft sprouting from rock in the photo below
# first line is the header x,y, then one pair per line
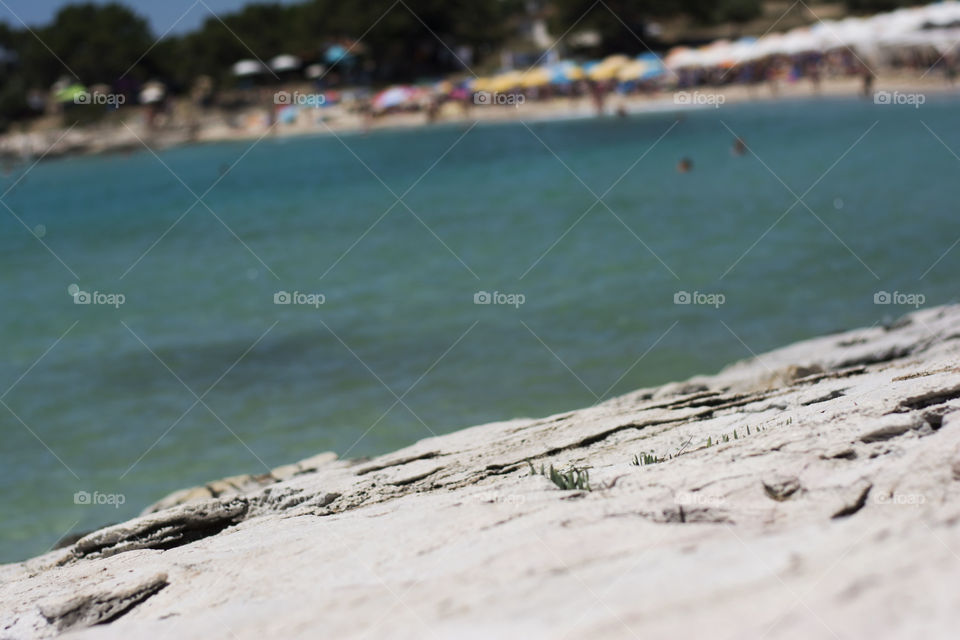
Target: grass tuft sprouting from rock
x,y
575,479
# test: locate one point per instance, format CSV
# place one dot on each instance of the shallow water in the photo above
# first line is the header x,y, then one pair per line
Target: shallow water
x,y
113,405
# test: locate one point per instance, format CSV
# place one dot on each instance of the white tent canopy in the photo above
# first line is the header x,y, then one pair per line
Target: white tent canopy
x,y
248,68
285,62
911,27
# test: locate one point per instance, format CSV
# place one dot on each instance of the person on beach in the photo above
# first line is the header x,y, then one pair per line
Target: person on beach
x,y
597,95
868,78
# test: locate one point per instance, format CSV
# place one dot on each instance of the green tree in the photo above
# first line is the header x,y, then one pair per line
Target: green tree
x,y
877,6
621,23
98,43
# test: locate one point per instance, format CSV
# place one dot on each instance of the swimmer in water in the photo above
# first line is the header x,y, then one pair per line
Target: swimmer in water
x,y
739,147
685,165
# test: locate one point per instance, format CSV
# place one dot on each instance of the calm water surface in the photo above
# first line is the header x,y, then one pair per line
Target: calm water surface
x,y
199,375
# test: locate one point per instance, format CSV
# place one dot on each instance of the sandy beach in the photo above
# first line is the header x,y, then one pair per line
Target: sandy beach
x,y
125,130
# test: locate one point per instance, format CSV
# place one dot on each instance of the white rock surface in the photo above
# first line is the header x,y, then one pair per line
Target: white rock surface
x,y
837,516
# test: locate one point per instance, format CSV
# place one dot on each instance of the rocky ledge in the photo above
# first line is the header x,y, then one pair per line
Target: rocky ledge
x,y
809,492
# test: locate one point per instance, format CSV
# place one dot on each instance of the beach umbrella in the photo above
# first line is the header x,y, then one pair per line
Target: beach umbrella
x,y
588,66
337,53
314,71
152,92
70,92
720,53
826,35
769,45
479,84
683,57
392,97
285,62
617,60
506,81
608,67
247,68
288,114
941,14
633,71
565,72
799,40
536,77
601,72
900,21
743,50
941,40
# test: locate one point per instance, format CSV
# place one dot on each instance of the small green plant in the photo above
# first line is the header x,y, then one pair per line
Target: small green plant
x,y
724,437
573,480
647,458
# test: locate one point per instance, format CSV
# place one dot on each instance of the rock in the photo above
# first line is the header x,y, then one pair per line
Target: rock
x,y
854,439
309,465
780,488
163,530
855,500
184,496
239,485
798,372
892,426
840,453
100,606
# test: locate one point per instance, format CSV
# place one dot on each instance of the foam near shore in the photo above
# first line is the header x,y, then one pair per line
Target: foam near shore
x,y
813,491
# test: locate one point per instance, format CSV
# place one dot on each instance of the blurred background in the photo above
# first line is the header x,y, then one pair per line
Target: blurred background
x,y
180,71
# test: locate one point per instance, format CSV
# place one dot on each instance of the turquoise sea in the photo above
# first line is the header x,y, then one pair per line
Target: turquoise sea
x,y
199,375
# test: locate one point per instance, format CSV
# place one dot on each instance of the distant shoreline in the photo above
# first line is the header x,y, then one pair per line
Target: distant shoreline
x,y
129,135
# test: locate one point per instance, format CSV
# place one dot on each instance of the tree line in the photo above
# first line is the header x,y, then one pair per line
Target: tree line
x,y
398,41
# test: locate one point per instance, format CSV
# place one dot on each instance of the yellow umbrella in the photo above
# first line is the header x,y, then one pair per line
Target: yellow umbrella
x,y
601,72
536,77
633,71
574,73
481,84
506,81
617,60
